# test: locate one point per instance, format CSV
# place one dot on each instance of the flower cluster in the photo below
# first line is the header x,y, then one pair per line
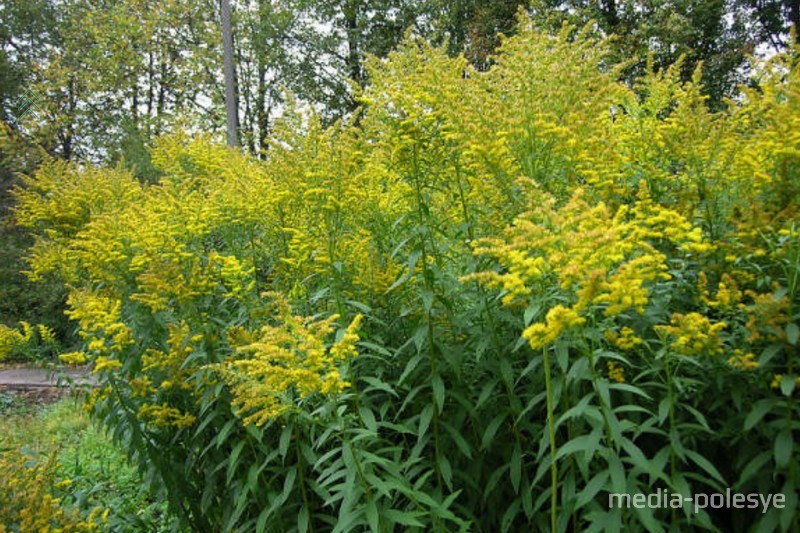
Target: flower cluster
x,y
743,361
99,316
616,372
29,499
694,334
558,320
286,361
26,341
165,416
601,257
626,339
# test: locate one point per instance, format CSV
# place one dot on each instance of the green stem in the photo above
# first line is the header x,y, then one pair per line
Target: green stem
x,y
671,398
428,283
551,426
301,479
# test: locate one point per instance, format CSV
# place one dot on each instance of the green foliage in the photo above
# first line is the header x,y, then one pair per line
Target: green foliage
x,y
559,299
78,463
21,299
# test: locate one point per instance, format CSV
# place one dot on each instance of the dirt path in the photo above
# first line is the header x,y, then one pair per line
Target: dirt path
x,y
32,377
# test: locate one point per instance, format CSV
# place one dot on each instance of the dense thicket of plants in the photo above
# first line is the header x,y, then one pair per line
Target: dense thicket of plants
x,y
496,299
62,473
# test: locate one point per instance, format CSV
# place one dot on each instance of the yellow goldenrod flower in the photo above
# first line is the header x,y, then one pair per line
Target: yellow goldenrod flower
x,y
73,358
105,363
287,358
625,340
745,362
694,334
616,372
558,319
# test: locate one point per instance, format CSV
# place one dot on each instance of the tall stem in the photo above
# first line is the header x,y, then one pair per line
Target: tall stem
x,y
551,427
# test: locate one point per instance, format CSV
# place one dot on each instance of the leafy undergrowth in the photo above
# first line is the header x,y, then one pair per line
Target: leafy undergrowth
x,y
71,475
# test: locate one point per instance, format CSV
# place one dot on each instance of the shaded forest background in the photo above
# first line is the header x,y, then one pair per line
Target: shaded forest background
x,y
101,79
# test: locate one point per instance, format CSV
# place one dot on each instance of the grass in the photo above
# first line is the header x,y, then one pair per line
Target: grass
x,y
97,468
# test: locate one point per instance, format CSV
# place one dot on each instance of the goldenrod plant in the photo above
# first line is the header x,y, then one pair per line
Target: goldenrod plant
x,y
485,303
27,342
28,502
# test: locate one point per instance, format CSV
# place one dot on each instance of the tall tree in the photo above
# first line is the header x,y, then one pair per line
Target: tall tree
x,y
231,106
472,27
713,32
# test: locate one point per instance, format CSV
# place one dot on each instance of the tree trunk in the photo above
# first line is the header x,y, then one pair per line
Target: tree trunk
x,y
150,83
262,113
231,106
794,18
68,133
161,100
611,15
353,52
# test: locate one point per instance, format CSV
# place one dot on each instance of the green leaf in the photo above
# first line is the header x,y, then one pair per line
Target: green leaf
x,y
761,408
460,441
531,311
784,446
507,373
252,478
638,459
371,510
261,525
283,443
364,308
589,492
561,350
494,479
602,387
239,506
303,520
427,299
425,418
375,383
404,518
233,460
605,522
792,333
753,467
410,367
769,353
288,485
698,416
446,470
225,431
648,521
509,515
487,390
491,430
584,443
629,388
515,471
579,371
578,410
789,511
705,464
438,391
371,346
788,382
369,419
